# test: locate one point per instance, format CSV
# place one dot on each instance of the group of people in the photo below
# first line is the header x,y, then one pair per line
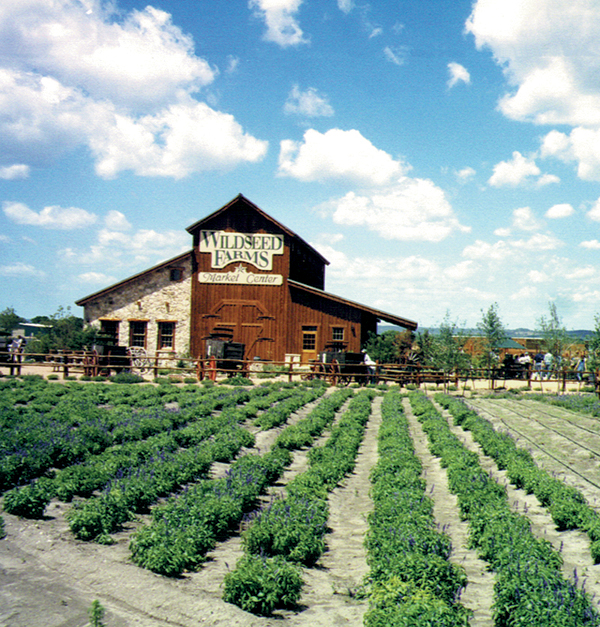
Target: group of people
x,y
545,365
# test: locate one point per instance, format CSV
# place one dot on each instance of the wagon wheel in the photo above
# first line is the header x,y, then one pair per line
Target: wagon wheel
x,y
139,359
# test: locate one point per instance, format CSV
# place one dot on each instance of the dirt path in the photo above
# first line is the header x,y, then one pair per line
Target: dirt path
x,y
330,587
573,545
479,593
565,444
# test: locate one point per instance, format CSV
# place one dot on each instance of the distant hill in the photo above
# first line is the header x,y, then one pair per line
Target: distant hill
x,y
519,332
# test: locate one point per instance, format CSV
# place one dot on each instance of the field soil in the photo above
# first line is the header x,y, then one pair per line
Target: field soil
x,y
48,579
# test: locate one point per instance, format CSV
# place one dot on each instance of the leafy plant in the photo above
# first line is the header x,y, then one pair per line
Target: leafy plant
x,y
96,614
262,584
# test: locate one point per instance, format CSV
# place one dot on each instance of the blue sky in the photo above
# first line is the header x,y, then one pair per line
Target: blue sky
x,y
442,155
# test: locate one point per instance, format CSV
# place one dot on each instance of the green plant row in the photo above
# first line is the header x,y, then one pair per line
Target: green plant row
x,y
131,457
188,526
83,479
77,427
76,431
132,493
141,486
164,546
278,414
411,582
567,506
291,530
529,588
303,433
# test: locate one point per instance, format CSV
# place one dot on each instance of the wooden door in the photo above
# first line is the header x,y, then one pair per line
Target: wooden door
x,y
250,324
309,343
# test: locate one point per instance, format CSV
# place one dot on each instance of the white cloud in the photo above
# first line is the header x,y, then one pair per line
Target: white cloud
x,y
466,174
563,210
581,146
592,244
337,154
547,179
62,218
490,252
117,249
397,56
20,270
308,103
537,242
411,209
535,276
594,212
232,64
185,138
588,272
97,278
514,173
76,75
514,249
525,220
458,74
140,60
280,19
345,5
116,221
549,52
13,172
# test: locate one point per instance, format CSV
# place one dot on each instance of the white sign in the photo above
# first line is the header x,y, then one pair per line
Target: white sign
x,y
240,276
254,248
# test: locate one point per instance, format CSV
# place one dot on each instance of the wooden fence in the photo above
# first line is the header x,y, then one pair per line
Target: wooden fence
x,y
91,364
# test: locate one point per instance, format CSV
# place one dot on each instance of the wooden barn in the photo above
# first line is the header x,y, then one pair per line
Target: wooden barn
x,y
248,278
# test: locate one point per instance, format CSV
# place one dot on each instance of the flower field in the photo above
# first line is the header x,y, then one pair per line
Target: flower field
x,y
296,504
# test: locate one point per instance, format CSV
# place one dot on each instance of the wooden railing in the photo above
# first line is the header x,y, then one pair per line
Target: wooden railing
x,y
91,364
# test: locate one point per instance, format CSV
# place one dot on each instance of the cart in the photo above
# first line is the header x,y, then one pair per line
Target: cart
x,y
105,357
222,356
341,368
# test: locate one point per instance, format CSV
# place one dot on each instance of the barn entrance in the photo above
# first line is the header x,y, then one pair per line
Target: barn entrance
x,y
247,322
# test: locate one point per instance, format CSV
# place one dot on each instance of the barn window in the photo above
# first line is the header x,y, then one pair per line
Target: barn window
x,y
337,334
309,338
137,333
176,274
110,330
166,335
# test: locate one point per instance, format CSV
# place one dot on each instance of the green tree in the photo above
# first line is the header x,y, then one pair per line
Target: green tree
x,y
593,345
493,333
382,348
425,344
555,338
9,319
449,353
67,332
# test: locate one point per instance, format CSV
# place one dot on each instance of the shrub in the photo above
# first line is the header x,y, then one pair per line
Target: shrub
x,y
262,584
237,380
126,377
28,501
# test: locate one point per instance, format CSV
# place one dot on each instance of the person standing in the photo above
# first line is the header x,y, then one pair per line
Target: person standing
x,y
371,367
581,367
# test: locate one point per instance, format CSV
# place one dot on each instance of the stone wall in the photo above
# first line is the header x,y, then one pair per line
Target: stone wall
x,y
151,297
